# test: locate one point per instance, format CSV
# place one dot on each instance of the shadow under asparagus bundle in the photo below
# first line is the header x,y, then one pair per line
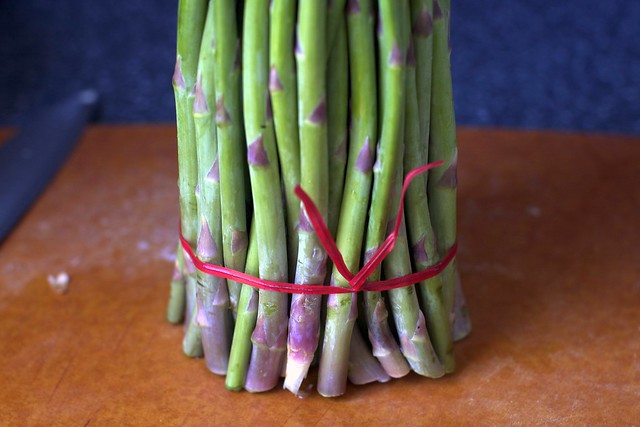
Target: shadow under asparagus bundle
x,y
344,98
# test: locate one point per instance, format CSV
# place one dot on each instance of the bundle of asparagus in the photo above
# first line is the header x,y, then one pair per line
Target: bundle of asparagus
x,y
344,97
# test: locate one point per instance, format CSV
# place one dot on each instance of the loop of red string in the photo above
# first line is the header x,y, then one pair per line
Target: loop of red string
x,y
357,282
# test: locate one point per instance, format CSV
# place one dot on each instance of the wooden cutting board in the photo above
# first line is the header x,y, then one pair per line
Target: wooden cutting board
x,y
550,259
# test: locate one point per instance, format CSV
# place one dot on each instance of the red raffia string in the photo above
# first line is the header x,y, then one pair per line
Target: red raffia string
x,y
357,282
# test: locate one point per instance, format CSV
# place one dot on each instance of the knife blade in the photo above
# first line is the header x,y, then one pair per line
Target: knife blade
x,y
31,159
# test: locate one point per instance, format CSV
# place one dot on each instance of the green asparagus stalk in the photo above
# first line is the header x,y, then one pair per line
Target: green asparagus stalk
x,y
409,319
337,118
191,15
421,233
175,308
304,321
192,340
392,93
283,90
212,294
422,31
228,121
245,322
461,320
335,16
270,334
442,181
342,309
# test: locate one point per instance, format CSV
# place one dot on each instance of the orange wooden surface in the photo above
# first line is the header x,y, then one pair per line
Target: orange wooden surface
x,y
550,262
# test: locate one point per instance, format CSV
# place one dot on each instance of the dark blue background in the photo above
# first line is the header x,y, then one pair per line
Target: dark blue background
x,y
516,63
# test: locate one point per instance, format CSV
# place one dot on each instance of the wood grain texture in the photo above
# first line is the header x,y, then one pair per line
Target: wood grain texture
x,y
549,258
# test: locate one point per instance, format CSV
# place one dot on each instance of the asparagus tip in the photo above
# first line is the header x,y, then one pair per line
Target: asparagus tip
x,y
396,58
353,6
364,162
423,26
437,10
449,178
319,114
256,153
275,84
222,115
238,240
200,105
207,248
178,77
214,172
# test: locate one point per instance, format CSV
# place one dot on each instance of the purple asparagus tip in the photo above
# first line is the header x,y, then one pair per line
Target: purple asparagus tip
x,y
449,178
207,248
214,172
411,54
364,162
298,47
396,57
353,6
275,84
437,10
222,115
304,224
423,26
341,150
200,105
256,153
178,78
238,241
419,251
319,115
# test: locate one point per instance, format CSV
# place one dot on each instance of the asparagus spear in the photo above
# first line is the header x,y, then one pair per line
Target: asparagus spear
x,y
191,15
392,93
422,31
282,86
409,319
442,182
213,297
337,117
175,307
230,145
269,335
461,320
421,233
192,340
335,16
342,309
245,322
304,321
363,367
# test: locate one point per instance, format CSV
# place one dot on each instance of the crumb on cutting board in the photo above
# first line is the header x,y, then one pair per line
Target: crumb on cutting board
x,y
59,282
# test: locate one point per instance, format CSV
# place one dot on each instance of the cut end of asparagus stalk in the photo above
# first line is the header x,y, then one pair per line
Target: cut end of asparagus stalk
x,y
264,368
296,372
363,367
